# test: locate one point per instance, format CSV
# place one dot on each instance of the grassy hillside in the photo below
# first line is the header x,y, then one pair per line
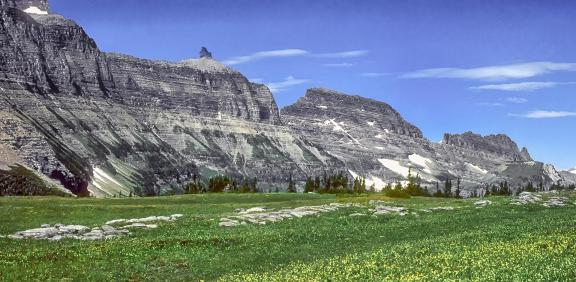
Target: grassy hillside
x,y
500,242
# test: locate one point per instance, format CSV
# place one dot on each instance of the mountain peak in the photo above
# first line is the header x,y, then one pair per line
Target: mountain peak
x,y
500,144
38,7
323,103
205,54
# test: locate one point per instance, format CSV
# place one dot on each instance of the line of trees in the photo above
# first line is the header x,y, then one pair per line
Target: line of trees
x,y
336,184
340,183
222,183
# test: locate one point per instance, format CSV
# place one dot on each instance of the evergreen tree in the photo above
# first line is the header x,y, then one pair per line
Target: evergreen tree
x,y
372,188
448,188
309,186
457,194
291,186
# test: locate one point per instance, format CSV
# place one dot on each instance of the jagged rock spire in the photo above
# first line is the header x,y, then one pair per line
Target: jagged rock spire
x,y
205,54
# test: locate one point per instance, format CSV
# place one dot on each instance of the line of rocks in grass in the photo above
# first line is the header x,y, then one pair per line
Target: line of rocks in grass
x,y
111,229
263,215
526,198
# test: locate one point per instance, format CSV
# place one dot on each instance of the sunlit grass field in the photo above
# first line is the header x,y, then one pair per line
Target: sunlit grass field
x,y
501,242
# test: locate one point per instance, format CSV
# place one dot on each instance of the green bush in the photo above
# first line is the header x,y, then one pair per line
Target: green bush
x,y
20,181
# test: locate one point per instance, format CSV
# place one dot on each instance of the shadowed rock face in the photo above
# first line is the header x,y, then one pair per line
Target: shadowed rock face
x,y
106,124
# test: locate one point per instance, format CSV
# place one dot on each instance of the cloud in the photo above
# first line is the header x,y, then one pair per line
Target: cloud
x,y
266,54
521,86
494,73
276,87
346,54
545,114
516,100
496,104
339,65
291,53
256,80
375,74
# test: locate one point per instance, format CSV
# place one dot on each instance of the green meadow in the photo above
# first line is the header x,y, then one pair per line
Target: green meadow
x,y
500,242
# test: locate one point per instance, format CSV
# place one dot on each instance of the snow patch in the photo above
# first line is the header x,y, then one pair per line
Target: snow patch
x,y
379,136
322,107
101,177
35,10
378,183
371,123
573,171
337,126
394,166
380,148
476,169
421,161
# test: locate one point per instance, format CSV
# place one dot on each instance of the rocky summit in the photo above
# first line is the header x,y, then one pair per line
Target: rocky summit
x,y
105,124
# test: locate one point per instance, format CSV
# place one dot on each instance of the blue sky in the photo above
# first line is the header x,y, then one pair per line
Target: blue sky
x,y
446,66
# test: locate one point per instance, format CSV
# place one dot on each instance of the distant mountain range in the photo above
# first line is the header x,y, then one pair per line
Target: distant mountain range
x,y
108,123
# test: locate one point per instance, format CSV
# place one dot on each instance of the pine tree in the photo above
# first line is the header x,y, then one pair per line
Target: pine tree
x,y
448,188
291,187
309,186
457,194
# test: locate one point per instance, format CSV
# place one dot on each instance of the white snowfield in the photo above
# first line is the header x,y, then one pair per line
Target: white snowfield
x,y
394,166
102,178
35,10
422,162
371,123
476,169
573,171
378,183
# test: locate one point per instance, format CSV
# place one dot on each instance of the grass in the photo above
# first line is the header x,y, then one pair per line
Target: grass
x,y
501,242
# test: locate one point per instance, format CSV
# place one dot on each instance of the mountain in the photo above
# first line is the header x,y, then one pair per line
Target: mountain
x,y
373,140
107,124
569,176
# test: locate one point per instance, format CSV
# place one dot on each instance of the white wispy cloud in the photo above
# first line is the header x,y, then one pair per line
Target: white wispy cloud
x,y
375,74
494,73
345,54
521,86
266,54
545,114
256,80
516,100
339,65
489,104
291,53
276,87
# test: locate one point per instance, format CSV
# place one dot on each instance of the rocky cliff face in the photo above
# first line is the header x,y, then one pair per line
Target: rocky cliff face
x,y
319,103
106,124
497,144
373,140
110,123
